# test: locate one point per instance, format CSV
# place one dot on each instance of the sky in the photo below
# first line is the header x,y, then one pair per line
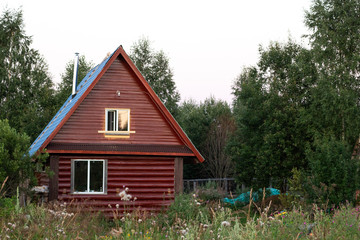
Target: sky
x,y
208,42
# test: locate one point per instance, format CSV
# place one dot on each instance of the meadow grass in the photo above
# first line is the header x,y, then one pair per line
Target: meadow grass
x,y
188,218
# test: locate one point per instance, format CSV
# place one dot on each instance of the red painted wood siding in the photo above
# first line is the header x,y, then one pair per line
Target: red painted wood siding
x,y
150,180
42,179
149,124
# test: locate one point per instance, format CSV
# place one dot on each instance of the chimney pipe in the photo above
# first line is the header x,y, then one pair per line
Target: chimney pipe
x,y
76,63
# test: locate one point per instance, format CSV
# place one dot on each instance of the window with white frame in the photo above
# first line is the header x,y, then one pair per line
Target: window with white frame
x,y
88,176
117,120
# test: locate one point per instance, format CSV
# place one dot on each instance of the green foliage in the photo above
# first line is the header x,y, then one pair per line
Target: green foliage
x,y
186,207
65,86
26,90
57,221
208,125
52,222
269,101
155,68
335,42
211,192
15,162
297,194
298,108
7,207
334,174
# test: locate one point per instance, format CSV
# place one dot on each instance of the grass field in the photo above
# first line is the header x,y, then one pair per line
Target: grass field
x,y
188,218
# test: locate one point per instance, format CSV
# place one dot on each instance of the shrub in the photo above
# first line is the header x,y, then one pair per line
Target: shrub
x,y
333,174
187,207
14,161
210,192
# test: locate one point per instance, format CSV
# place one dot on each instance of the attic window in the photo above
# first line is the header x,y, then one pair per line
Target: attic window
x,y
117,122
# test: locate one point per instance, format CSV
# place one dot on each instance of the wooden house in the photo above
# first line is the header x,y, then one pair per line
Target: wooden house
x,y
115,133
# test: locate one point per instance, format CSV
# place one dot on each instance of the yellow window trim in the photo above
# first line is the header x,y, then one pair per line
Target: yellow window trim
x,y
117,132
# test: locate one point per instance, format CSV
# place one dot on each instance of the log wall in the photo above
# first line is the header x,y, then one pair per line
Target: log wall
x,y
151,180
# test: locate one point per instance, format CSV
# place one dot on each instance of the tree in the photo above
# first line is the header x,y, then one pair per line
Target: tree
x,y
65,86
335,42
154,66
15,162
269,103
26,90
334,114
249,115
299,108
208,125
218,162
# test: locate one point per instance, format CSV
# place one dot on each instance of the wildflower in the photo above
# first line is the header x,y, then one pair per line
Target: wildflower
x,y
12,225
122,194
225,224
140,220
183,232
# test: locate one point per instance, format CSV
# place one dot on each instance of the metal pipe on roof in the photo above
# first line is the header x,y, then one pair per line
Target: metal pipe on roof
x,y
76,64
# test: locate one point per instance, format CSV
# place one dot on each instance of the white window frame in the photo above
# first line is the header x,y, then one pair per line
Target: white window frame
x,y
88,176
116,127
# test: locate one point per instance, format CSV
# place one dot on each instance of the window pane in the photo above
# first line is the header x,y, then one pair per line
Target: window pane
x,y
123,120
80,178
96,176
111,120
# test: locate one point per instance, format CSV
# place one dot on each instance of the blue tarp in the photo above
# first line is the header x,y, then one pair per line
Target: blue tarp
x,y
245,197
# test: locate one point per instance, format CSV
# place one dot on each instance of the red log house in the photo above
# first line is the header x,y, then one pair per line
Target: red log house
x,y
114,133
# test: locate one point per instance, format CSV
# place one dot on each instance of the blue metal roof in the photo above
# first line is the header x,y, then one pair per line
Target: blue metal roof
x,y
67,106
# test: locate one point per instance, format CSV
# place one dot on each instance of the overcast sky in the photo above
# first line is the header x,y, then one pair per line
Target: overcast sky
x,y
208,42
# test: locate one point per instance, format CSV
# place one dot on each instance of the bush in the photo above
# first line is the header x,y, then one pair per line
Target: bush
x,y
334,174
15,161
210,192
7,206
187,207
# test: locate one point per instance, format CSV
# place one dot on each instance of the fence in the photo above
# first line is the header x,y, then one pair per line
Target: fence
x,y
227,184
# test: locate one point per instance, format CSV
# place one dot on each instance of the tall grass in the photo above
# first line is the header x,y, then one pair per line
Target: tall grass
x,y
188,218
